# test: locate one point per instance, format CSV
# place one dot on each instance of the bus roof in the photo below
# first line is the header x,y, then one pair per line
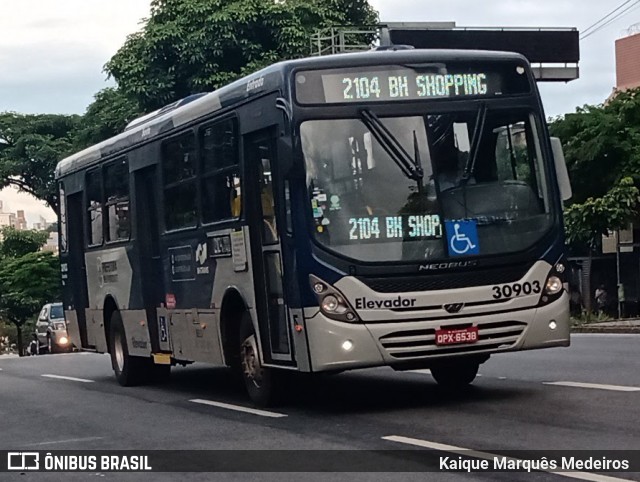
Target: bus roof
x,y
274,77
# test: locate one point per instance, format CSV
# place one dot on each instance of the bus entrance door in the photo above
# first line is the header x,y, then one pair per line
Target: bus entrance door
x,y
273,314
77,268
149,253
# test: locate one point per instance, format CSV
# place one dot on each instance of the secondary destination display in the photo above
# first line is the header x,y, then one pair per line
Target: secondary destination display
x,y
395,227
376,84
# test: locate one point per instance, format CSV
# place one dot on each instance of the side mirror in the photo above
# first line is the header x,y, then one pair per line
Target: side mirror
x,y
561,169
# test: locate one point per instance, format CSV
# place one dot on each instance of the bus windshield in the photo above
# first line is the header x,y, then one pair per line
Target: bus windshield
x,y
482,188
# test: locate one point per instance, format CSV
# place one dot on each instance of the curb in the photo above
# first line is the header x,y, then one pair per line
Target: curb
x,y
606,329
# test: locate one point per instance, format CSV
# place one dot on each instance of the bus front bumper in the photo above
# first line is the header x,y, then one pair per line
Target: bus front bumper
x,y
336,346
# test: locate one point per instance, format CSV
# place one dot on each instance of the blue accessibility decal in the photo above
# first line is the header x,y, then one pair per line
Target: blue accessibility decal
x,y
462,238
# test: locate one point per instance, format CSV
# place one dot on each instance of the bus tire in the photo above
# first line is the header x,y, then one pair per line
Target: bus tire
x,y
455,374
129,370
260,382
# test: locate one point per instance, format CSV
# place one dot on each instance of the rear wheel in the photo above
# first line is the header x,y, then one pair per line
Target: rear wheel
x,y
261,382
455,374
129,370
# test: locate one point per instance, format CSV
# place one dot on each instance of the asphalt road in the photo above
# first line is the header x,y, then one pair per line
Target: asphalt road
x,y
585,397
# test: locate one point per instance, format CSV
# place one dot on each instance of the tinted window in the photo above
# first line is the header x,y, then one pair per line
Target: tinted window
x,y
221,183
219,145
63,219
116,182
94,208
179,174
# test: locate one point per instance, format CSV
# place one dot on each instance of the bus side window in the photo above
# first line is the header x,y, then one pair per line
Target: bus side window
x,y
179,178
94,207
116,184
221,186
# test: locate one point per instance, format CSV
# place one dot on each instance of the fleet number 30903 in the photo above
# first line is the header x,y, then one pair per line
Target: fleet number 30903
x,y
516,289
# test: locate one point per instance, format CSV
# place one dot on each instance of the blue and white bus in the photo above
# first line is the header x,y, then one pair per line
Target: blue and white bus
x,y
397,208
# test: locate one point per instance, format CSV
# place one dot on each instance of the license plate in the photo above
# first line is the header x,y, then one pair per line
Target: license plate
x,y
456,337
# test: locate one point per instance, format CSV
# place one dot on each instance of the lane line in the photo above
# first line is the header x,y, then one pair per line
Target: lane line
x,y
62,377
86,439
489,456
239,408
615,388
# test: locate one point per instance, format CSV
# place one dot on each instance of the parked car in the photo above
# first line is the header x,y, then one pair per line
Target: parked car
x,y
51,330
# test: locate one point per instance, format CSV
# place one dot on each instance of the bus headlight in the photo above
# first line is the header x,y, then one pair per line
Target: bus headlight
x,y
332,303
553,285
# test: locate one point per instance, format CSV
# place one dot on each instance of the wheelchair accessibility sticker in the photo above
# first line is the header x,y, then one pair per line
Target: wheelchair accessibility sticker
x,y
462,238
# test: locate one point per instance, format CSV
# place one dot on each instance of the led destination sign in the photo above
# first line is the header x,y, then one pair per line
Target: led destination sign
x,y
383,86
396,83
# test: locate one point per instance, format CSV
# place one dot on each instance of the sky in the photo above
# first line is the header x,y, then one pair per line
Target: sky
x,y
52,54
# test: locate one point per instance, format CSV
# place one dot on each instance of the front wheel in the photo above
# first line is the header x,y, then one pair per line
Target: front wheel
x,y
261,382
51,347
129,370
455,374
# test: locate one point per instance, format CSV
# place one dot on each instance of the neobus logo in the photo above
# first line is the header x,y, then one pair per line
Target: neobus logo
x,y
454,264
399,302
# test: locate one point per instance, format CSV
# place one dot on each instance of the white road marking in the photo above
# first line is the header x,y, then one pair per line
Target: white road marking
x,y
238,408
615,388
87,439
489,456
62,377
502,378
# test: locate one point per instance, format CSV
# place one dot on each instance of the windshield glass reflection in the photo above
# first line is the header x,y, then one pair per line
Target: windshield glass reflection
x,y
482,180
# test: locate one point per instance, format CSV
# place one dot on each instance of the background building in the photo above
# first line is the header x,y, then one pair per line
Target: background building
x,y
6,219
628,60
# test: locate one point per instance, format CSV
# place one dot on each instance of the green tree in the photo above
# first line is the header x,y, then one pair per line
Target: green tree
x,y
191,46
18,243
587,222
27,283
30,147
106,117
601,145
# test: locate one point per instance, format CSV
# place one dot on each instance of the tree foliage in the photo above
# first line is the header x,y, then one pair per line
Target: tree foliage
x,y
191,46
601,145
19,243
587,222
602,150
27,283
107,116
30,147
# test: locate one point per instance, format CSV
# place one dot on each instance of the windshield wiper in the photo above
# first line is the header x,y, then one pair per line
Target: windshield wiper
x,y
478,131
409,166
